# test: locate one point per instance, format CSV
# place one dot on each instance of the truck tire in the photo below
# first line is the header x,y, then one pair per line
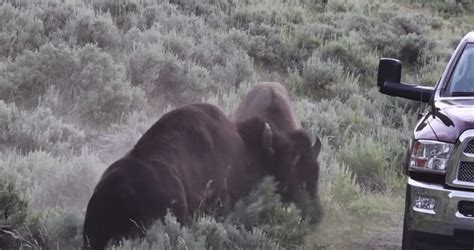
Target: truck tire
x,y
407,237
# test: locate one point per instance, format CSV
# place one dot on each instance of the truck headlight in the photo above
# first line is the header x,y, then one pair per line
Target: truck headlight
x,y
431,156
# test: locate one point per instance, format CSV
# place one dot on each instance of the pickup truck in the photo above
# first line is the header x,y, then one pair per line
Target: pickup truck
x,y
439,203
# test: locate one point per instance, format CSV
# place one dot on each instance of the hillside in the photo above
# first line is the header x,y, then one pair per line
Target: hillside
x,y
80,82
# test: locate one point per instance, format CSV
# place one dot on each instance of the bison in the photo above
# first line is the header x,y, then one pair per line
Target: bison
x,y
193,158
293,157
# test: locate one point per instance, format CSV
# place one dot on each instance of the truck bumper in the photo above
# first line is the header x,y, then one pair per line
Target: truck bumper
x,y
445,218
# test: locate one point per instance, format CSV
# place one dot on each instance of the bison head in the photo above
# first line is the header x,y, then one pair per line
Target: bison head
x,y
295,162
287,155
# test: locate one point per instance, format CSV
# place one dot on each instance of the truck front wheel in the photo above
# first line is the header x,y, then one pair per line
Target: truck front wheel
x,y
407,237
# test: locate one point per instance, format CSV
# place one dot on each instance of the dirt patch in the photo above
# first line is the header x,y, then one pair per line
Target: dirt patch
x,y
383,230
380,236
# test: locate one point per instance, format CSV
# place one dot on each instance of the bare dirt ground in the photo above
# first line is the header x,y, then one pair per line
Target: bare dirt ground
x,y
381,231
382,237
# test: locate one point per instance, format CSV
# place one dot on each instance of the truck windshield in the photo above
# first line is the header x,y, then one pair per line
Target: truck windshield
x,y
461,82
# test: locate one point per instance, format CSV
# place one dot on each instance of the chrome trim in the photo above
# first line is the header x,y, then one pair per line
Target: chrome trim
x,y
459,215
421,210
454,98
446,217
423,170
469,155
466,157
455,159
425,141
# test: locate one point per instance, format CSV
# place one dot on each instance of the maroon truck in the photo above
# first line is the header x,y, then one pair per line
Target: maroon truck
x,y
439,204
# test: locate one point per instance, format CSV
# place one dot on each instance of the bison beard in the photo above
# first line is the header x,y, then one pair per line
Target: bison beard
x,y
193,158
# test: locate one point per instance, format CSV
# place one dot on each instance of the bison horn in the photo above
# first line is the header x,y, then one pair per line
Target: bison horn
x,y
268,139
316,148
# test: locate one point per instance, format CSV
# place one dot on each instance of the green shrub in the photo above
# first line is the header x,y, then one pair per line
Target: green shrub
x,y
55,17
265,45
266,224
366,158
86,83
20,228
341,187
20,31
323,31
229,99
62,229
319,75
37,130
207,9
382,40
219,51
359,23
178,45
327,123
101,81
351,53
237,71
17,227
430,73
346,87
30,75
272,27
393,111
413,47
13,211
263,208
161,73
403,36
204,233
49,182
404,24
339,6
123,12
97,29
149,16
183,58
436,23
372,161
244,16
447,9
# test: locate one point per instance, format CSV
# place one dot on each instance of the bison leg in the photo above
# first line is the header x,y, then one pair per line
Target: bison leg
x,y
96,227
178,204
173,196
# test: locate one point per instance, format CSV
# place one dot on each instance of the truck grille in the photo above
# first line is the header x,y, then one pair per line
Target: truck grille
x,y
460,172
466,171
469,147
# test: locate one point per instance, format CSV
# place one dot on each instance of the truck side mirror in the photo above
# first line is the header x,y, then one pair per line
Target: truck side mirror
x,y
390,70
388,81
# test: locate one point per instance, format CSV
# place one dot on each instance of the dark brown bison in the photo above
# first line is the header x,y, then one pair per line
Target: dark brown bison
x,y
293,158
193,158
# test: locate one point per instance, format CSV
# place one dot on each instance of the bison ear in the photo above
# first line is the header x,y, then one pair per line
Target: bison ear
x,y
316,148
267,139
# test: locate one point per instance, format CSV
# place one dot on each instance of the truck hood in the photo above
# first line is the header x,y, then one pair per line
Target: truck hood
x,y
451,118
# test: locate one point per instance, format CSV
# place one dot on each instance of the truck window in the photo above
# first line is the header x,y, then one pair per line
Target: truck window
x,y
461,82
